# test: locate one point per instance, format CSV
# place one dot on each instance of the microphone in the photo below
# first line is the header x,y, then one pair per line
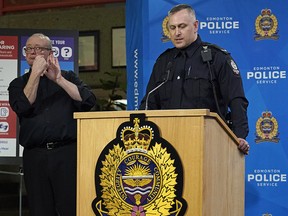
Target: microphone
x,y
169,66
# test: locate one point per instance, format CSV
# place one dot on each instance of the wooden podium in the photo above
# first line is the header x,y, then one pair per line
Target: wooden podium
x,y
213,167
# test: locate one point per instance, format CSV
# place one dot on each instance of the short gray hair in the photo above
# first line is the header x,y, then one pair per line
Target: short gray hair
x,y
42,36
180,7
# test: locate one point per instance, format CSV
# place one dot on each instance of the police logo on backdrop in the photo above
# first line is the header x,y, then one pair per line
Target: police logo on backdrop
x,y
267,128
165,31
266,26
139,173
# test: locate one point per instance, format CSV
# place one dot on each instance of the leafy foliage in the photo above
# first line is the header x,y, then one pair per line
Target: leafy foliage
x,y
115,87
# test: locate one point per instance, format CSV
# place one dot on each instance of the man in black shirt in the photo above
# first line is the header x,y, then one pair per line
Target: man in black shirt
x,y
197,75
45,99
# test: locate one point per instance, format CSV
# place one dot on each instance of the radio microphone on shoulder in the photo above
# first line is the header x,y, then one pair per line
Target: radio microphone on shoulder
x,y
169,66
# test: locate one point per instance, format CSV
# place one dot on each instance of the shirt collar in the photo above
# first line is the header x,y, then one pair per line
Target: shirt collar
x,y
190,49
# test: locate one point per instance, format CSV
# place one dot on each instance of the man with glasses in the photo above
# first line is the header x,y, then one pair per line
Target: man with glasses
x,y
45,99
35,49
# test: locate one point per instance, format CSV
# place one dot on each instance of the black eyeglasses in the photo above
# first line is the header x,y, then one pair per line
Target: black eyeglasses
x,y
36,49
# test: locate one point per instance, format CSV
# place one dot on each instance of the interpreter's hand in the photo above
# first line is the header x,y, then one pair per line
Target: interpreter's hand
x,y
39,66
243,146
53,71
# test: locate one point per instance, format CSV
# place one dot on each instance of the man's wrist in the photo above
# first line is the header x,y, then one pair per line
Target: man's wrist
x,y
58,79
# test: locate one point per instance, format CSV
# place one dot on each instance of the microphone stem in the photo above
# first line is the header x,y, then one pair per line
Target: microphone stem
x,y
168,73
146,102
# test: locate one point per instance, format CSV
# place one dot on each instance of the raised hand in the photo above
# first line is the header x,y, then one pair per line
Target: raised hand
x,y
53,71
39,66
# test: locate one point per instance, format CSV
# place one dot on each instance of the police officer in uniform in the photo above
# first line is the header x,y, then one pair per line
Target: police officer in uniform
x,y
197,75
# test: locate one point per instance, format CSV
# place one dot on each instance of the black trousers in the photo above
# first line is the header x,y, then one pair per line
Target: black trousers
x,y
50,180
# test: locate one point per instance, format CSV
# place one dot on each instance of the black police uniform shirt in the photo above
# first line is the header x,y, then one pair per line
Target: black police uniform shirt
x,y
50,117
189,84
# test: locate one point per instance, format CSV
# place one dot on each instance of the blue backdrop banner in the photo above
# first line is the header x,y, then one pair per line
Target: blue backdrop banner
x,y
255,33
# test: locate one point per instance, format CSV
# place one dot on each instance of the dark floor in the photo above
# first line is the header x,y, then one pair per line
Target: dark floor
x,y
10,200
10,193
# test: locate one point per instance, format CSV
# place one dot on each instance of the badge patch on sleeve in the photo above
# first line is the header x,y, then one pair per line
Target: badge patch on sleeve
x,y
233,66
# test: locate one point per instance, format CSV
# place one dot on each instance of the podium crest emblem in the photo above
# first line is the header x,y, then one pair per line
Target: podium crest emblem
x,y
266,26
267,128
138,173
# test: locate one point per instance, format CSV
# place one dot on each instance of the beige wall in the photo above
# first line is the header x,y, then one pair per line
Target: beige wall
x,y
101,18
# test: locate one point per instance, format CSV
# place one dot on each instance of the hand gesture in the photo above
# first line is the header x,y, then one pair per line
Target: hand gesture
x,y
39,66
53,71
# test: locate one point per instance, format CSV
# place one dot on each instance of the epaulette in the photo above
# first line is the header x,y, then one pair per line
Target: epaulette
x,y
216,47
230,60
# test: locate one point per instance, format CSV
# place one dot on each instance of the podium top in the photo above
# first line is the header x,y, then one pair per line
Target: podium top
x,y
151,113
157,113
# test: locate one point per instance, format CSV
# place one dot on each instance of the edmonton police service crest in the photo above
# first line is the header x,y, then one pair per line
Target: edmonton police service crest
x,y
267,128
266,26
139,173
165,31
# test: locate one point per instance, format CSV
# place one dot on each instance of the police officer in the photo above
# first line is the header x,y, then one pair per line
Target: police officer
x,y
197,75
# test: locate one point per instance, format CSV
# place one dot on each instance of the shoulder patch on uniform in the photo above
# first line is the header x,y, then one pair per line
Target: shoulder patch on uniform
x,y
230,61
233,66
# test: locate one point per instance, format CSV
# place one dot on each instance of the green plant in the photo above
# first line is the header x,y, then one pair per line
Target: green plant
x,y
113,85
